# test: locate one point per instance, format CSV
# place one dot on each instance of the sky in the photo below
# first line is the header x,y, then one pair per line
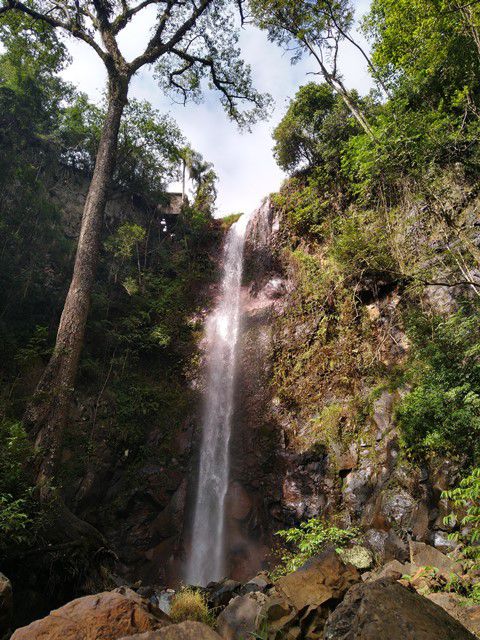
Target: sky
x,y
243,161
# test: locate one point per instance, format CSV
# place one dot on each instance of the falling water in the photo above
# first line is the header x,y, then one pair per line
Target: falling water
x,y
207,556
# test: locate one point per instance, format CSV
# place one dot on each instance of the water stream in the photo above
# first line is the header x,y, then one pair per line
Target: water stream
x,y
207,556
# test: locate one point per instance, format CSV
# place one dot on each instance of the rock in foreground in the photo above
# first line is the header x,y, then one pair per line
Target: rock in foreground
x,y
386,609
6,604
183,631
106,616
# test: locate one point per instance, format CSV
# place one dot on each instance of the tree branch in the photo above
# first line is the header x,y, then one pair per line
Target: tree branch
x,y
127,14
72,27
155,47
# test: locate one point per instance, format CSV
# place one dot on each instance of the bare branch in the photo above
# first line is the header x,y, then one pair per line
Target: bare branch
x,y
127,14
155,47
222,84
348,37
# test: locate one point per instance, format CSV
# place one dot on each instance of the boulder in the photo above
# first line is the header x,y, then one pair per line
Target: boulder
x,y
386,545
456,606
423,555
386,609
183,631
393,569
261,582
359,556
241,617
104,616
442,542
6,604
301,601
320,579
220,593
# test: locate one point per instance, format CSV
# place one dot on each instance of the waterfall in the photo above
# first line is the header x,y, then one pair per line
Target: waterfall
x,y
207,556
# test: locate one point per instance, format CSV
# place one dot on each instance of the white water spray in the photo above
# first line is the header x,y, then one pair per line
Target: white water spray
x,y
207,555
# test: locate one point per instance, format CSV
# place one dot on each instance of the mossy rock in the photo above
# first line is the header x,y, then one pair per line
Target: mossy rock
x,y
359,556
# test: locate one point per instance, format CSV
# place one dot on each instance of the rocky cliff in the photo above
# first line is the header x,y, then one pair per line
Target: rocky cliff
x,y
309,442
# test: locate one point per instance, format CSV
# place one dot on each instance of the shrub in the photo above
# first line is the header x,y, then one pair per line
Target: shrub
x,y
360,245
466,500
17,505
190,604
441,414
309,539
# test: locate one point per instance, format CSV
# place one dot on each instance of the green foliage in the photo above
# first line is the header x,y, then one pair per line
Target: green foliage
x,y
299,133
361,245
304,205
227,221
18,508
442,411
126,239
309,539
149,145
465,500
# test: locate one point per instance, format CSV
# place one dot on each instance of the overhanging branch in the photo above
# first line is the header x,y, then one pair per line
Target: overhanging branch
x,y
72,26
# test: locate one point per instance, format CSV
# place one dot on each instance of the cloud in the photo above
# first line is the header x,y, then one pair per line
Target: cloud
x,y
243,161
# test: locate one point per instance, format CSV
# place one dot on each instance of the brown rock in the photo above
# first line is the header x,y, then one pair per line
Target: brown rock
x,y
104,616
385,609
183,631
239,503
320,579
423,555
469,616
6,604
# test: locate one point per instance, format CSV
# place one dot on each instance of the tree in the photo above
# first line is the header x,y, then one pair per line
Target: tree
x,y
149,145
190,42
313,130
427,51
204,178
314,28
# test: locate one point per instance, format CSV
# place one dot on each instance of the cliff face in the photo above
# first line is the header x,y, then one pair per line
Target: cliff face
x,y
314,433
329,445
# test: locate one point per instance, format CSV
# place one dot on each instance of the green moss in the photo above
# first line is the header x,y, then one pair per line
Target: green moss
x,y
227,221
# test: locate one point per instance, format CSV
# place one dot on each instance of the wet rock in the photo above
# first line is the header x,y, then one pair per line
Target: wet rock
x,y
241,617
104,616
359,486
239,502
6,604
386,609
423,555
183,631
319,580
398,506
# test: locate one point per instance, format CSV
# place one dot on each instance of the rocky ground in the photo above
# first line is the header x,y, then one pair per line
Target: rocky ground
x,y
327,598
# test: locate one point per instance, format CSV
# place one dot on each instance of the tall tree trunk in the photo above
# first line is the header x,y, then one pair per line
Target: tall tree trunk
x,y
337,85
340,88
47,413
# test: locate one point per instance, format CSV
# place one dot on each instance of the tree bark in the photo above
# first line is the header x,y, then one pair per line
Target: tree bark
x,y
47,413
